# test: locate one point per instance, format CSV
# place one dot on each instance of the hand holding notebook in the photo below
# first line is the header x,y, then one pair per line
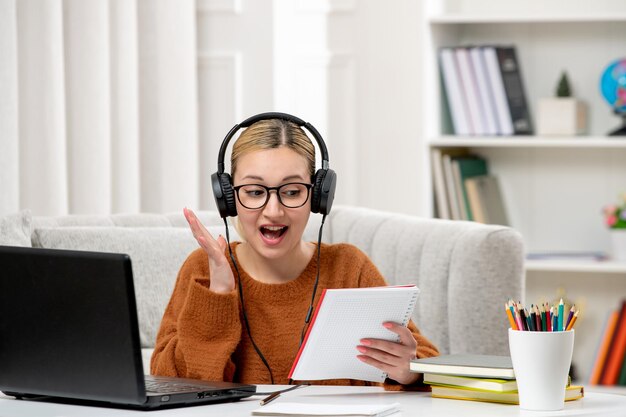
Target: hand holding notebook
x,y
342,318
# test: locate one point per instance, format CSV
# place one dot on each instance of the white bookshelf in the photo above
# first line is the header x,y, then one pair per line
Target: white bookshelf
x,y
554,188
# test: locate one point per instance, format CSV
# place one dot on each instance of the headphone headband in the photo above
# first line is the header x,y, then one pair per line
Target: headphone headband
x,y
324,180
267,116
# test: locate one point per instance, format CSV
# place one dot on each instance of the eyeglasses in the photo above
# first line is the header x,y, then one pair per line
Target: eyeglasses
x,y
256,196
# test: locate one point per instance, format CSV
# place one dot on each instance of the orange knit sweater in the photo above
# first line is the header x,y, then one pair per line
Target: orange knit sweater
x,y
202,334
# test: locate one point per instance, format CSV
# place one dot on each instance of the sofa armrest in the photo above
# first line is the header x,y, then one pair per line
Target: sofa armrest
x,y
465,272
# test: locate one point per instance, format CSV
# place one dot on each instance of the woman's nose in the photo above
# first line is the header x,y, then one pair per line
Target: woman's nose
x,y
273,206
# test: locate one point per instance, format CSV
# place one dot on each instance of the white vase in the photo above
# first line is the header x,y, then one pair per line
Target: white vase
x,y
618,244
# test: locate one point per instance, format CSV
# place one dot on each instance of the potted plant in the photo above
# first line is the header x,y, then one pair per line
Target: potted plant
x,y
562,115
615,219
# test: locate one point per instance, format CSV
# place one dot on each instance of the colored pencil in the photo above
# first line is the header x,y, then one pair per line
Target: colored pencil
x,y
537,318
572,321
548,318
569,316
510,316
544,324
561,313
523,317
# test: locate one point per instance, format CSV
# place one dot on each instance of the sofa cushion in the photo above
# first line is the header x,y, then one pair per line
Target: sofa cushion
x,y
15,229
156,255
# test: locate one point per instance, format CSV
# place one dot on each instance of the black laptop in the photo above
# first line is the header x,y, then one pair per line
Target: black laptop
x,y
69,331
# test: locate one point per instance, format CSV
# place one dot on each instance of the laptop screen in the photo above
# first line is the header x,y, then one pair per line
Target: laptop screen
x,y
69,325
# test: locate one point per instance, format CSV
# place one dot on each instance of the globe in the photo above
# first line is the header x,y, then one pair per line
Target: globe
x,y
613,88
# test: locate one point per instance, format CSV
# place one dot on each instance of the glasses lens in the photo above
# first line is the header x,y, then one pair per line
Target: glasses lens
x,y
293,195
252,196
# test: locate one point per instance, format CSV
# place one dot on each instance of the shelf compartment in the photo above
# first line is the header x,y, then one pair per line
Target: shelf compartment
x,y
596,142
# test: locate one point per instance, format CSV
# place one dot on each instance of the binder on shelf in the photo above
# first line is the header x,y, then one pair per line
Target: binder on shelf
x,y
488,108
514,88
454,92
470,89
486,200
506,80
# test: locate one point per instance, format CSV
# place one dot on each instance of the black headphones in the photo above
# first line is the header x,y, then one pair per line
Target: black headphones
x,y
324,181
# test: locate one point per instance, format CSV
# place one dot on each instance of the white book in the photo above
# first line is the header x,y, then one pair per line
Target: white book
x,y
458,189
342,318
470,88
484,89
505,122
443,208
454,92
448,174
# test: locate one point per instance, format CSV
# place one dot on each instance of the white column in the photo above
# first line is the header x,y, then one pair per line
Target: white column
x,y
168,105
9,140
41,88
88,105
125,167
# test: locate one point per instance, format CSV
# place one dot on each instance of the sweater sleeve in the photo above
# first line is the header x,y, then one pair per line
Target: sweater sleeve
x,y
200,329
370,277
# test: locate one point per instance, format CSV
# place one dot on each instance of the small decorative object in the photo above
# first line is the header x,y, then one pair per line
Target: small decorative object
x,y
615,219
562,115
613,87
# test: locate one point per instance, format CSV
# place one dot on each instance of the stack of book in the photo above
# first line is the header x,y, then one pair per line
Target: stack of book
x,y
484,90
476,378
609,367
464,188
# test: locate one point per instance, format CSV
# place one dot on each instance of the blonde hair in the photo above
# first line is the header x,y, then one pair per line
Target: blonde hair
x,y
272,134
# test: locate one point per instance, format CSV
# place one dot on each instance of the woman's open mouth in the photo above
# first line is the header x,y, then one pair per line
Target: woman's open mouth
x,y
273,234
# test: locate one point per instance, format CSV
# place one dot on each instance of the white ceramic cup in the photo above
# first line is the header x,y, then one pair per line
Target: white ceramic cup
x,y
541,361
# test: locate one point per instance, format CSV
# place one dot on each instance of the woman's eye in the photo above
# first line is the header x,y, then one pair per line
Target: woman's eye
x,y
291,193
255,193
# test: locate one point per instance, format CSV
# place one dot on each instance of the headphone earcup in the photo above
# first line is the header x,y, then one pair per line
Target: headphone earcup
x,y
323,194
224,194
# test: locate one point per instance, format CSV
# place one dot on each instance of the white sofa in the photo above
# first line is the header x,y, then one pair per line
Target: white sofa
x,y
465,270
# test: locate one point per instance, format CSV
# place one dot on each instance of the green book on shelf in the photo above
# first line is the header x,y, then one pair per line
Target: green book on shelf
x,y
573,392
465,167
486,384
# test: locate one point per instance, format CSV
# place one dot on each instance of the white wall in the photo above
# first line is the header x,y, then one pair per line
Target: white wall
x,y
121,107
351,68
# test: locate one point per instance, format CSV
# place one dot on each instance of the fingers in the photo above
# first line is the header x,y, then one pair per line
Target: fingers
x,y
391,357
198,229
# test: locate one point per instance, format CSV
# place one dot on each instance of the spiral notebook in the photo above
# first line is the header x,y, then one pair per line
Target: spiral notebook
x,y
342,318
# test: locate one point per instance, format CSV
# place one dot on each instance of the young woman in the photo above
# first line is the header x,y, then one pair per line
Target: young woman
x,y
211,331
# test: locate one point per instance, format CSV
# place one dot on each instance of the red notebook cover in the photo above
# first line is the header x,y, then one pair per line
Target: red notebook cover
x,y
617,350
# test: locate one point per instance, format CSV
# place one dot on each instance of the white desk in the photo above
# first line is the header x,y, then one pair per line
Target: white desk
x,y
412,404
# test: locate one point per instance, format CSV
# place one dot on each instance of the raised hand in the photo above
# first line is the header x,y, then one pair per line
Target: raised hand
x,y
221,276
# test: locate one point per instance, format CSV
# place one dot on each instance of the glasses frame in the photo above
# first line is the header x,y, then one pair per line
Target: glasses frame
x,y
277,189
